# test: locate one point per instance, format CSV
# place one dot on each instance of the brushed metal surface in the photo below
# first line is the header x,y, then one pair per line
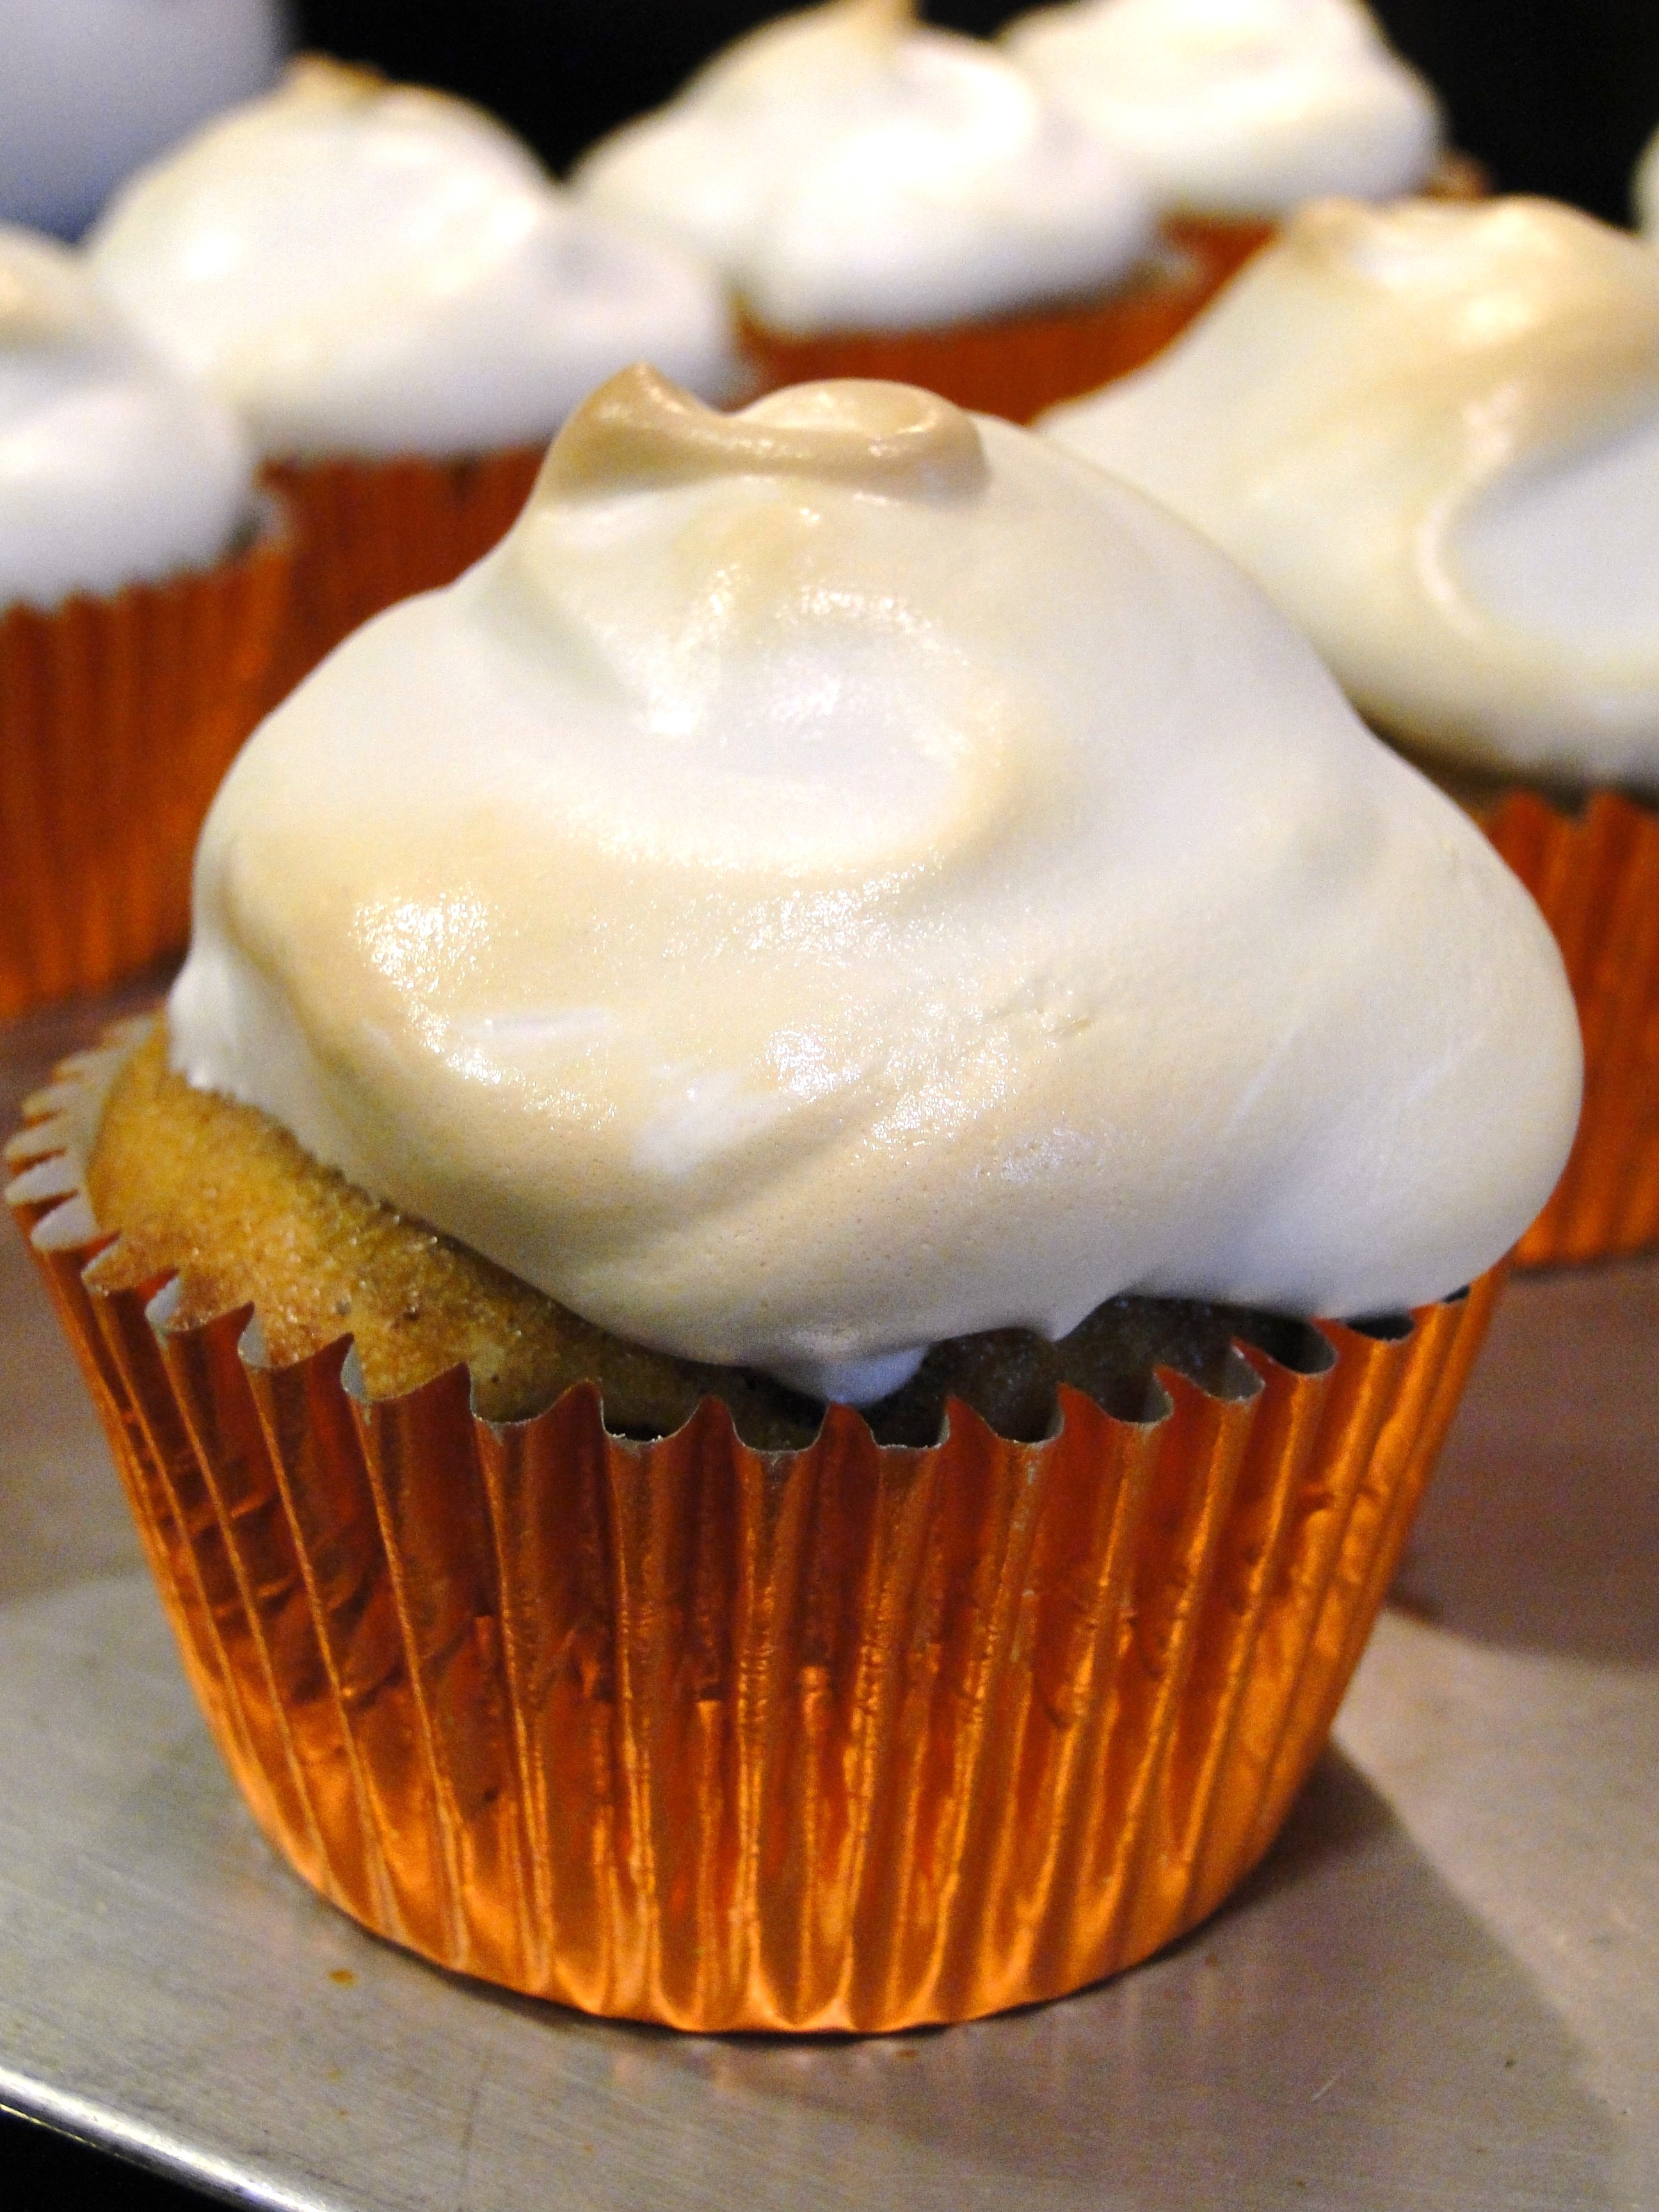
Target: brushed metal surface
x,y
1442,1991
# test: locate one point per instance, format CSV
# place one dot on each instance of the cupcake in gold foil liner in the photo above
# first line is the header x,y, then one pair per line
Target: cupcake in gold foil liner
x,y
372,532
851,1737
118,717
1596,877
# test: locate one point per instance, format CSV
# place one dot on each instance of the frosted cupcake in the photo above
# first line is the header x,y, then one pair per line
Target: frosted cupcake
x,y
139,606
402,307
1236,113
1432,433
846,904
891,200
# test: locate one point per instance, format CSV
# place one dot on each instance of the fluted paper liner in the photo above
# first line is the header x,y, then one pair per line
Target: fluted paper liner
x,y
118,717
854,1737
375,531
1596,877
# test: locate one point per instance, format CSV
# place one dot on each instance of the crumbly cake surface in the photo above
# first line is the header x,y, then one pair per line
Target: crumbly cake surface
x,y
221,1196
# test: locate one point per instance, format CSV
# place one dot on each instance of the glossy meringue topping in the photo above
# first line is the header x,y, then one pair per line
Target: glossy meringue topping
x,y
1244,107
113,468
848,168
1432,431
364,267
845,874
893,437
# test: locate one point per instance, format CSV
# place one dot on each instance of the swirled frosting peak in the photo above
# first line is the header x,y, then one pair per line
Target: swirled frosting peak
x,y
374,268
112,467
846,873
849,169
1432,433
1238,107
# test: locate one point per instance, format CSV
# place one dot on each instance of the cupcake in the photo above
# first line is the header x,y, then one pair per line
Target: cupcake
x,y
402,307
889,200
1432,433
816,1020
1236,113
140,598
92,88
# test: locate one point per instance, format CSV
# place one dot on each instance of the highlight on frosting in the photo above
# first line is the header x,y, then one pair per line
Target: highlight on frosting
x,y
90,89
1241,108
1432,431
373,267
113,468
845,874
849,169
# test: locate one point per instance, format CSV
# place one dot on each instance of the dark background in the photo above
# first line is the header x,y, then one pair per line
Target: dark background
x,y
1555,96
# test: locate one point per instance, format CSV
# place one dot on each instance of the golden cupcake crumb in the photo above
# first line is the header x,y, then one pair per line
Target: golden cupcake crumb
x,y
223,1197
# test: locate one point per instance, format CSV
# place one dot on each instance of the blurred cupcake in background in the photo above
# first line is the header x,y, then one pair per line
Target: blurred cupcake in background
x,y
890,200
1432,433
402,305
1236,113
90,89
140,600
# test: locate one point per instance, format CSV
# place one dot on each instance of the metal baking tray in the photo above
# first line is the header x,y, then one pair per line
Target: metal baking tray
x,y
1441,1990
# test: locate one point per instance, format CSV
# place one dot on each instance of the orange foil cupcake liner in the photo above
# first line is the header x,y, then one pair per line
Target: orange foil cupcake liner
x,y
852,1738
118,717
375,531
1596,877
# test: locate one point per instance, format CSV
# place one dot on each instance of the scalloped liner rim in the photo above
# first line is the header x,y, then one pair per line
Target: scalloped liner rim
x,y
60,1124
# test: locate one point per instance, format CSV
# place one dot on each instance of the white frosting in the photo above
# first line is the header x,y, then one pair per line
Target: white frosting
x,y
376,269
1432,433
850,170
847,874
1243,107
112,467
91,88
1644,188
